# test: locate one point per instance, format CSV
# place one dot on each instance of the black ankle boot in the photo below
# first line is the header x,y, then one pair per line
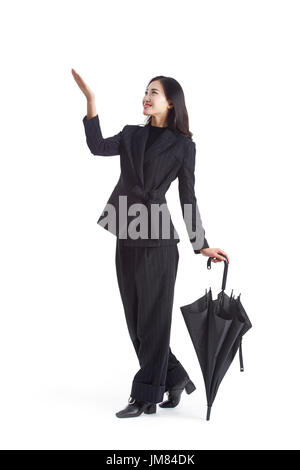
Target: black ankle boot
x,y
136,408
174,393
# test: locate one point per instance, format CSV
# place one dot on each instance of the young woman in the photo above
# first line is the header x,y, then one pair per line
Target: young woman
x,y
151,157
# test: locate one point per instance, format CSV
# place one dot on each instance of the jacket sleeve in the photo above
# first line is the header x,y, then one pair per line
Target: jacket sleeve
x,y
188,200
95,141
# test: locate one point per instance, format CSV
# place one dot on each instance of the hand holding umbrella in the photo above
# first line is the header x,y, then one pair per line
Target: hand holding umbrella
x,y
216,254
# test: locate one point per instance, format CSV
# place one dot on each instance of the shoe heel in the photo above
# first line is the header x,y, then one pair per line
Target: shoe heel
x,y
190,387
150,409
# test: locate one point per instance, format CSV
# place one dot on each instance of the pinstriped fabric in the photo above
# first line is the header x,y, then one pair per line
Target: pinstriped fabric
x,y
171,155
146,278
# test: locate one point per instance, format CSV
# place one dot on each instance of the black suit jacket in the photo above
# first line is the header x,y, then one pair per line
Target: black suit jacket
x,y
145,178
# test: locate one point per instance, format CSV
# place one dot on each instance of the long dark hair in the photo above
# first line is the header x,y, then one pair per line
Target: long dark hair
x,y
177,119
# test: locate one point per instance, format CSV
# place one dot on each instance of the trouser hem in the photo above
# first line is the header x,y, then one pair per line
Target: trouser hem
x,y
147,392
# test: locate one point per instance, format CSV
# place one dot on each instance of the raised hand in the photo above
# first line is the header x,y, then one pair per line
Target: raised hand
x,y
83,86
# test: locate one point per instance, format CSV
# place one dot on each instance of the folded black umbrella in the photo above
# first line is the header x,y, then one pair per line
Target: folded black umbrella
x,y
216,328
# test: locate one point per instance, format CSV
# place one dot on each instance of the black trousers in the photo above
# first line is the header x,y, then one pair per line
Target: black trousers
x,y
146,278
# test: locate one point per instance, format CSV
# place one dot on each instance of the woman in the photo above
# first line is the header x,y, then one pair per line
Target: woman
x,y
151,157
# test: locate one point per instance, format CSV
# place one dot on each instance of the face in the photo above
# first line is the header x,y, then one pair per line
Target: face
x,y
155,102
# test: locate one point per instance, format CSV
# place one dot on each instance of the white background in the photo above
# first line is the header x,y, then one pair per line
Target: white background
x,y
67,361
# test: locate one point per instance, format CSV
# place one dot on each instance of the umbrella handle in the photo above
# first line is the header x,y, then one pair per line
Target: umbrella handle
x,y
224,271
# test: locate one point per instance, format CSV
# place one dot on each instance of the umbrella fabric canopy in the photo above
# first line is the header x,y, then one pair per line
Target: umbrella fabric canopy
x,y
216,328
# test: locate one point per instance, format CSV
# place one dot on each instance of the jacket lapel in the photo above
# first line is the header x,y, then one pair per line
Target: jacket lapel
x,y
160,145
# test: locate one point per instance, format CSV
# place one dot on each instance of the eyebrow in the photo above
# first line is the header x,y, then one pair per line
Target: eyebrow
x,y
153,89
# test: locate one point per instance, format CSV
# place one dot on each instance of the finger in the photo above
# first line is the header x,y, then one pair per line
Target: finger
x,y
223,253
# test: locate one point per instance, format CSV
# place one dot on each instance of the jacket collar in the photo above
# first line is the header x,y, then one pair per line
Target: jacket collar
x,y
165,140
